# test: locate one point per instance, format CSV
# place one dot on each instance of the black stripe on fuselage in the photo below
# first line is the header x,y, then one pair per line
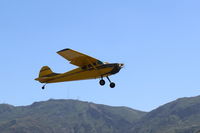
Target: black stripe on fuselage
x,y
82,70
52,74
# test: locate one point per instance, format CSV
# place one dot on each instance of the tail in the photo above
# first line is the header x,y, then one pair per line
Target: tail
x,y
45,72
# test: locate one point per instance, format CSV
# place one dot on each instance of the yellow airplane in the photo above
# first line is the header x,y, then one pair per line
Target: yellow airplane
x,y
88,68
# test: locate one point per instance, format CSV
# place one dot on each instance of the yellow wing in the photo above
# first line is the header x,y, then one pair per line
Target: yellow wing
x,y
79,59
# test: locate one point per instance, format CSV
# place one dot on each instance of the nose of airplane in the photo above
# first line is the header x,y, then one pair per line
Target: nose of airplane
x,y
121,65
117,67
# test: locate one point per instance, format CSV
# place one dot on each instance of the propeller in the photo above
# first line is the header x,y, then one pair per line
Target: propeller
x,y
121,65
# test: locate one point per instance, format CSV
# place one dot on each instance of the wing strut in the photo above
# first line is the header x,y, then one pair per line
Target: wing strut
x,y
91,63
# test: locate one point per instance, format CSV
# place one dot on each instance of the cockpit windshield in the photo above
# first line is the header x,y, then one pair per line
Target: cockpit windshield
x,y
99,62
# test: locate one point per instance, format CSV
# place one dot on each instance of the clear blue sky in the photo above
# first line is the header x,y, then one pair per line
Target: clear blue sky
x,y
158,40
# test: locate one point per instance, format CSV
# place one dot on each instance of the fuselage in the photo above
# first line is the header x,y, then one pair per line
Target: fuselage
x,y
89,72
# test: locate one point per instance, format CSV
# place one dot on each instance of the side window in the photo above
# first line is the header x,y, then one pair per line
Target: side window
x,y
89,66
99,62
84,67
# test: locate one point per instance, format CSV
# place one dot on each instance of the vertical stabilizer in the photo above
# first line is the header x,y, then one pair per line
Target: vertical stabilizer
x,y
44,71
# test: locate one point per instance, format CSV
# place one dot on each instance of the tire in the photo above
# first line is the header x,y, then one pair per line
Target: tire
x,y
112,85
102,82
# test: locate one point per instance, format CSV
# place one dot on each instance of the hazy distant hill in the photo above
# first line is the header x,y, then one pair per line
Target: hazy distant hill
x,y
72,116
67,116
180,116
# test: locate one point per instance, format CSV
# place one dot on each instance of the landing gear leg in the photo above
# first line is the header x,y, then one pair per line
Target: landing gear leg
x,y
112,84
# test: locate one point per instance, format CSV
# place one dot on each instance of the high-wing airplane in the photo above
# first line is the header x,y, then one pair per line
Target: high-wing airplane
x,y
88,68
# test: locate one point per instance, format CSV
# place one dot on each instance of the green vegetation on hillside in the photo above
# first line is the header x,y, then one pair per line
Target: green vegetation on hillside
x,y
72,116
180,116
69,116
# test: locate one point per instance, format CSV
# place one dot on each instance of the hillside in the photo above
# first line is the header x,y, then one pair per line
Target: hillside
x,y
180,116
71,116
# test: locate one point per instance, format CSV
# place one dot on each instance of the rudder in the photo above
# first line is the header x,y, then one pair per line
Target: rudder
x,y
44,71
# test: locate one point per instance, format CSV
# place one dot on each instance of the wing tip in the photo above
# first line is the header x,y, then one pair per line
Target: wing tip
x,y
64,50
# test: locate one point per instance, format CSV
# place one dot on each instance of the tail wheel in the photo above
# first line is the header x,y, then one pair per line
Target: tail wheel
x,y
102,82
43,87
112,85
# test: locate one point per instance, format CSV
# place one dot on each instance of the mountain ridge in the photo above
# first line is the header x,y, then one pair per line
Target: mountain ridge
x,y
181,115
74,116
67,116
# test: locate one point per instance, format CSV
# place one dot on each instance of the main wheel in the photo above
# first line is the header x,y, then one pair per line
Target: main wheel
x,y
102,82
112,85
